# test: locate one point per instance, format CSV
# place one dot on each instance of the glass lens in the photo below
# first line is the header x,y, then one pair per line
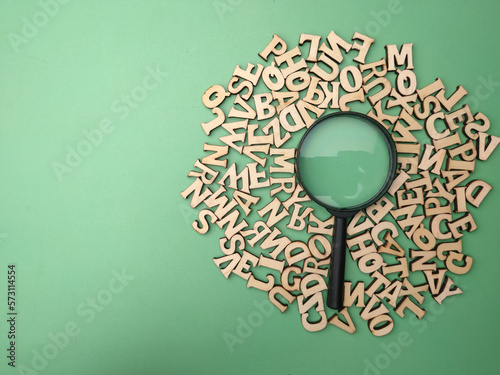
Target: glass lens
x,y
343,161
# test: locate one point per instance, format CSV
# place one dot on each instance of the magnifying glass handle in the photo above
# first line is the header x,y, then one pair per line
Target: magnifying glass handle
x,y
335,297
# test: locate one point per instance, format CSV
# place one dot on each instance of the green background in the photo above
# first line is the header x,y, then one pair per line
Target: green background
x,y
120,207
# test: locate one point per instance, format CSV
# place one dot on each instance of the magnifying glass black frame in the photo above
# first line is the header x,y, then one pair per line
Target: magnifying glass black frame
x,y
335,298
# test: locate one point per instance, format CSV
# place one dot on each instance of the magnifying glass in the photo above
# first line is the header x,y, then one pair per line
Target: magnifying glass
x,y
346,161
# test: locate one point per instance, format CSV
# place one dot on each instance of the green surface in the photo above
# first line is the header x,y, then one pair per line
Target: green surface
x,y
343,161
108,266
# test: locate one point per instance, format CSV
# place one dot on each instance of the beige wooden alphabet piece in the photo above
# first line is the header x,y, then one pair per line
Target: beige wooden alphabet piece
x,y
247,73
285,278
274,216
216,122
296,251
312,284
449,103
485,147
472,129
381,227
421,260
359,223
363,243
370,311
234,137
325,244
465,223
271,263
459,270
272,47
413,290
423,238
305,306
236,178
405,132
408,221
311,265
391,293
198,194
288,59
371,262
259,231
323,74
460,200
240,87
356,294
313,47
430,89
356,76
230,221
221,201
261,285
214,96
348,325
384,91
357,96
424,181
251,150
435,280
403,56
275,127
257,139
377,69
298,219
257,179
314,95
279,290
441,192
272,78
233,260
381,325
401,268
423,111
281,157
298,81
447,291
235,242
321,227
429,160
406,82
247,260
441,143
477,191
433,207
247,113
409,198
379,209
398,182
435,225
380,116
407,303
379,280
363,47
390,246
218,152
201,225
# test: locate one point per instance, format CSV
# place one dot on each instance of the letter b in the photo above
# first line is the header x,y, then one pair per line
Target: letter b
x,y
383,17
51,7
60,339
393,349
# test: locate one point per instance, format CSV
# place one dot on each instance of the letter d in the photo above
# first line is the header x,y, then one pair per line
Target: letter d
x,y
38,362
51,7
29,30
94,136
370,369
243,330
72,158
383,17
60,339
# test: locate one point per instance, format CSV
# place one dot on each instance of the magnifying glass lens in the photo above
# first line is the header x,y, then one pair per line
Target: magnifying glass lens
x,y
344,161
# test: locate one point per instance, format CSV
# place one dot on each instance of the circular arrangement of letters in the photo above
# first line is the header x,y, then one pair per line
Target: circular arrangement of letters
x,y
407,246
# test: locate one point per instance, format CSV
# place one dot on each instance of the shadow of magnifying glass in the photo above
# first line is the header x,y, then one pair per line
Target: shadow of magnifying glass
x,y
346,161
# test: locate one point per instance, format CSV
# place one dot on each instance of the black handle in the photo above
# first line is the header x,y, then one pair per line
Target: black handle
x,y
335,298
